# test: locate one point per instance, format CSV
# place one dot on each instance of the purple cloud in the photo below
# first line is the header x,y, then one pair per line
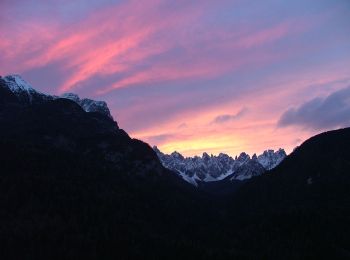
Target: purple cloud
x,y
320,113
230,117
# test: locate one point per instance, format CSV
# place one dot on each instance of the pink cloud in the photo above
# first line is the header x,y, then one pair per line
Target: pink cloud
x,y
160,43
111,41
265,36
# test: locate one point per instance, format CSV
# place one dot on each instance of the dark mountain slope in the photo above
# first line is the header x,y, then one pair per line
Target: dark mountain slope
x,y
301,209
63,124
75,185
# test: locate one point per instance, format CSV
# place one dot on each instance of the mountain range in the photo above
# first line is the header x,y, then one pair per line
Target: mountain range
x,y
215,168
73,184
193,170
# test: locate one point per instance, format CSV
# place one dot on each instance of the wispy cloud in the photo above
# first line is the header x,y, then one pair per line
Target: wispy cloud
x,y
156,139
139,48
230,117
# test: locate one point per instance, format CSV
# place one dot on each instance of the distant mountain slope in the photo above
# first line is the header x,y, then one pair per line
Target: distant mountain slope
x,y
216,168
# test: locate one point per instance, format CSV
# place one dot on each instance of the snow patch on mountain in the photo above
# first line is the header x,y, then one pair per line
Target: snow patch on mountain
x,y
22,89
89,105
270,159
17,84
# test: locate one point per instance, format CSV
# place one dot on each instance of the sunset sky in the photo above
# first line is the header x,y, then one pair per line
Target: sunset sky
x,y
192,76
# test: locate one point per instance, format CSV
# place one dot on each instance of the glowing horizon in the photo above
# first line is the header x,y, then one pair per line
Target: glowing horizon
x,y
191,76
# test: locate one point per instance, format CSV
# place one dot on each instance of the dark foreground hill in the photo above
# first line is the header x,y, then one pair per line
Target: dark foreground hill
x,y
74,185
301,209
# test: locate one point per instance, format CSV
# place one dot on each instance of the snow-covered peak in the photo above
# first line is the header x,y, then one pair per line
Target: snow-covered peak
x,y
270,159
28,95
254,157
223,156
205,156
177,155
17,84
242,158
23,90
89,105
71,96
248,170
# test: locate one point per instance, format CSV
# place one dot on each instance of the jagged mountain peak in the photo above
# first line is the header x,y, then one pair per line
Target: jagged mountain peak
x,y
248,170
155,148
28,95
177,155
89,105
243,155
206,156
16,83
71,96
270,159
223,155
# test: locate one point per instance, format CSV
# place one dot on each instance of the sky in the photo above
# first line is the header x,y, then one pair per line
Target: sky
x,y
191,76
